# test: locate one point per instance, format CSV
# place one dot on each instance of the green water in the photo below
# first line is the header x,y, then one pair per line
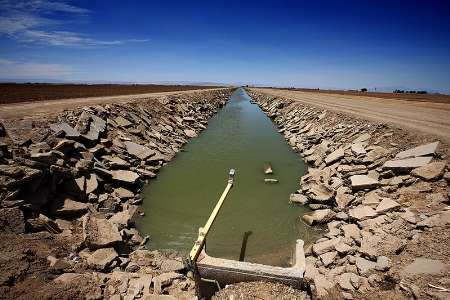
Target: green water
x,y
180,200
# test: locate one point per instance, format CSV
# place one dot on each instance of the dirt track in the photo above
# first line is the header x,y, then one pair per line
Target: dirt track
x,y
25,109
426,117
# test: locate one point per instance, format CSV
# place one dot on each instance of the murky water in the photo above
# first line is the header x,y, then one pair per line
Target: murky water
x,y
180,200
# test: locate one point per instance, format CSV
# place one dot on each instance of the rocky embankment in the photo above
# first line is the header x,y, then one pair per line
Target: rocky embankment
x,y
383,194
70,190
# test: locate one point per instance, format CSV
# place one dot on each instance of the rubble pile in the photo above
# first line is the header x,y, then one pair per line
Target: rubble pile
x,y
78,174
376,195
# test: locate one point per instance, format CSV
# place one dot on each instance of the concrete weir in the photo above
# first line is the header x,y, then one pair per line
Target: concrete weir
x,y
226,271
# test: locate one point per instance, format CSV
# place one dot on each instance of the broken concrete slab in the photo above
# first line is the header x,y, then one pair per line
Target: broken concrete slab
x,y
334,156
123,193
325,246
422,150
121,121
319,216
432,171
66,207
190,133
298,198
406,164
99,233
365,267
160,281
358,148
138,151
363,182
362,138
362,212
68,130
102,258
387,205
125,176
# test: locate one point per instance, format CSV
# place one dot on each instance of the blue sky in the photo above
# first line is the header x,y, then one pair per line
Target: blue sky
x,y
325,44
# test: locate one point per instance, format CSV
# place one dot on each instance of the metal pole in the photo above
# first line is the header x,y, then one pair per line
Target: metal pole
x,y
203,232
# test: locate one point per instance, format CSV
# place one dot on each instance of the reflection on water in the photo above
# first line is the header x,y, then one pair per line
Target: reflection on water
x,y
180,200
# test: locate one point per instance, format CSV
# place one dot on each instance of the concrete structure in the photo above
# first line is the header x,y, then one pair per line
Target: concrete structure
x,y
226,271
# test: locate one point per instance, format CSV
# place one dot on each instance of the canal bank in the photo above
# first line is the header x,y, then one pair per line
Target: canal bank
x,y
180,200
382,192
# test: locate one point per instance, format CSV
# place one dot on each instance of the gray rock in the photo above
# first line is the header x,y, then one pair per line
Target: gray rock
x,y
319,216
116,162
348,281
432,171
406,164
45,158
362,212
387,205
66,207
320,192
190,133
172,265
123,193
383,263
165,279
427,149
358,148
125,176
65,146
334,156
362,138
99,233
69,132
123,218
343,248
121,121
139,151
343,200
326,246
298,198
363,182
322,287
365,267
328,258
351,231
102,258
91,183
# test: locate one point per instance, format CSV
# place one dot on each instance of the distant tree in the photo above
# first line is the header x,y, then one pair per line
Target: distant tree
x,y
422,92
399,91
363,90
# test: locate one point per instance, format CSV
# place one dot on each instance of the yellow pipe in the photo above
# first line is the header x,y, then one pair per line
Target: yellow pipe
x,y
200,242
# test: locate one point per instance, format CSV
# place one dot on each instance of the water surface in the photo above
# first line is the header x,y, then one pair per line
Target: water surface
x,y
180,200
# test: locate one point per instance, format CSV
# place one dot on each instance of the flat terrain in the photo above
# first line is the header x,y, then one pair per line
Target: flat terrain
x,y
442,98
34,108
426,117
13,93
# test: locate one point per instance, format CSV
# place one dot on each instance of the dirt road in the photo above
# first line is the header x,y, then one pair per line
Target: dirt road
x,y
425,117
26,109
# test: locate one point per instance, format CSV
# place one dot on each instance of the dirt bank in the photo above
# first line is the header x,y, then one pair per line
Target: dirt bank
x,y
421,117
381,190
18,92
44,107
70,191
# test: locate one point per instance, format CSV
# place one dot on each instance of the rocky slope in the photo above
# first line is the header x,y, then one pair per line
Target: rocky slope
x,y
383,194
69,192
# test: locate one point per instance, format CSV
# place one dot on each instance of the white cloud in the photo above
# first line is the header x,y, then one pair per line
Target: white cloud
x,y
30,22
23,70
